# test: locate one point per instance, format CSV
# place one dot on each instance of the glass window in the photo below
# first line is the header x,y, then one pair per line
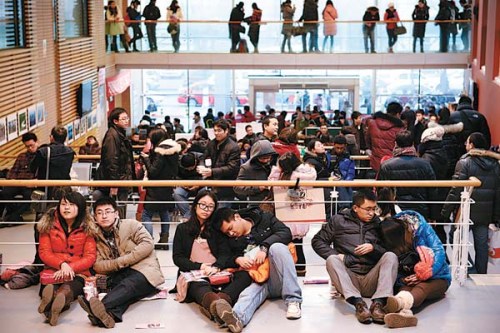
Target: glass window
x,y
75,18
11,24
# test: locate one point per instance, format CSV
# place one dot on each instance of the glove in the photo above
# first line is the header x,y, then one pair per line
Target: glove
x,y
423,269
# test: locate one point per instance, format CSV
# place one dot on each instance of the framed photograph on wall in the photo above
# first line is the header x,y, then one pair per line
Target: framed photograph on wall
x,y
76,128
70,137
3,130
89,122
22,121
32,123
83,125
12,126
40,114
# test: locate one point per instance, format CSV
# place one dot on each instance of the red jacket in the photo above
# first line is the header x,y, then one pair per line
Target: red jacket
x,y
380,136
78,249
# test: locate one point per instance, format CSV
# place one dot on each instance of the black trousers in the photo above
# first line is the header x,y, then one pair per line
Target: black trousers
x,y
241,280
151,30
14,210
127,287
76,285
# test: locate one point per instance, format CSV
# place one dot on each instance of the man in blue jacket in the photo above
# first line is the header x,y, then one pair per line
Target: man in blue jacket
x,y
357,264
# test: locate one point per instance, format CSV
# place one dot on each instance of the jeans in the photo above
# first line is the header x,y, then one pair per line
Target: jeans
x,y
465,36
147,218
415,44
444,33
175,39
369,34
181,197
151,30
480,236
392,37
282,283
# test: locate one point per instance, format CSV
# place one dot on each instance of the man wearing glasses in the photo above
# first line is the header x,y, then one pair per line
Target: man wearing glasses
x,y
357,263
125,253
117,161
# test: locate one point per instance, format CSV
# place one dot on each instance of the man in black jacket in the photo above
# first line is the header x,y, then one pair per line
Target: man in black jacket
x,y
117,161
357,264
254,236
151,13
224,156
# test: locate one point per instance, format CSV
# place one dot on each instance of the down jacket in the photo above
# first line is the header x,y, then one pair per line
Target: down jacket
x,y
346,232
485,166
117,161
254,170
424,235
473,122
77,249
136,249
380,136
411,168
162,164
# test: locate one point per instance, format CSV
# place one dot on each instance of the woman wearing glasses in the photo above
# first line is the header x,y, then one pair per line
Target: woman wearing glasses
x,y
68,250
197,246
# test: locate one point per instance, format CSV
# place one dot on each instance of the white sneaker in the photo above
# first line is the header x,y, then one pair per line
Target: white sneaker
x,y
293,311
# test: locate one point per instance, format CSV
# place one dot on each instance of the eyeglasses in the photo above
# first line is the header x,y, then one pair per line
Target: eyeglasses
x,y
369,209
105,212
206,207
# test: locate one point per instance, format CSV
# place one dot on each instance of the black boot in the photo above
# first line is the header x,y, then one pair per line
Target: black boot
x,y
163,240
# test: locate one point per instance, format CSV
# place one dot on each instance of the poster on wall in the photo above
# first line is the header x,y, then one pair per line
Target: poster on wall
x,y
40,114
89,122
69,128
94,119
76,128
83,125
32,117
12,126
3,131
22,121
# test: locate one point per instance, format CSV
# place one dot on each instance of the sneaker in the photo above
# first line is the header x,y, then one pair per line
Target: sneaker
x,y
226,314
99,311
293,311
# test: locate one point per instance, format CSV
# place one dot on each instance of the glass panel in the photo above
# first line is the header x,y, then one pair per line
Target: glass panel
x,y
11,24
75,18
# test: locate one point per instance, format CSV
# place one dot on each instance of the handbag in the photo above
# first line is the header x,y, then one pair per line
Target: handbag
x,y
172,28
220,278
407,262
400,30
39,197
298,30
48,278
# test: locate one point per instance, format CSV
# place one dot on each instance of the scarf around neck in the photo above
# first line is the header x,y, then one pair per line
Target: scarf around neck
x,y
406,151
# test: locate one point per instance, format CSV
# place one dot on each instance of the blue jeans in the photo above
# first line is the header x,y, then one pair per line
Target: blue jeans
x,y
147,218
480,236
181,197
282,283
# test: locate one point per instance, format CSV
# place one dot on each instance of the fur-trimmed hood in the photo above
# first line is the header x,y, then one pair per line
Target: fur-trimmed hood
x,y
49,218
435,132
168,147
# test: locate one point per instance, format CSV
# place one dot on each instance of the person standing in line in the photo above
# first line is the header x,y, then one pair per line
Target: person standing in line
x,y
235,27
116,26
371,16
151,13
420,13
310,15
174,16
134,14
330,27
254,30
117,161
287,11
444,14
391,18
453,25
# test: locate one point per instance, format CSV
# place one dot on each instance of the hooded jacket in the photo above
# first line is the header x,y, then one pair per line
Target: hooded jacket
x,y
320,162
485,166
380,136
77,249
162,164
346,231
254,170
473,122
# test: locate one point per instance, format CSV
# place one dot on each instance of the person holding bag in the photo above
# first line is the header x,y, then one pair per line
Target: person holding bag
x,y
68,250
423,272
391,18
198,246
174,16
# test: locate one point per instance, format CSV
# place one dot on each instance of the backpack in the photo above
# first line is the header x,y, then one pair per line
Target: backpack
x,y
242,46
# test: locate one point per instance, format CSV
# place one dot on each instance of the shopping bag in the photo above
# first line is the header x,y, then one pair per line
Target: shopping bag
x,y
494,244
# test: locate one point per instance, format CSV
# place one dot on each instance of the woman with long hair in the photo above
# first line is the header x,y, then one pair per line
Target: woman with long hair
x,y
287,11
254,30
197,246
290,167
330,27
423,273
174,16
116,26
68,250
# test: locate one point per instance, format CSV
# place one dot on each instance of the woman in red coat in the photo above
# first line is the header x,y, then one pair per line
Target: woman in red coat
x,y
68,250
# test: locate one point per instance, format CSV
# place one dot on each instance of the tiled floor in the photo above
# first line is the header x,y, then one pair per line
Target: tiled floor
x,y
465,309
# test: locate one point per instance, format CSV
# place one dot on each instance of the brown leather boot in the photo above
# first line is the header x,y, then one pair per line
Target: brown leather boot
x,y
213,307
377,311
47,298
206,303
62,300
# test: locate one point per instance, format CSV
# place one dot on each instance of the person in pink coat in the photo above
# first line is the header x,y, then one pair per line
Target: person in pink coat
x,y
329,27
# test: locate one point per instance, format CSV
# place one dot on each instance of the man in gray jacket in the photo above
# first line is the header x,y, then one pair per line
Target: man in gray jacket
x,y
125,253
357,264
